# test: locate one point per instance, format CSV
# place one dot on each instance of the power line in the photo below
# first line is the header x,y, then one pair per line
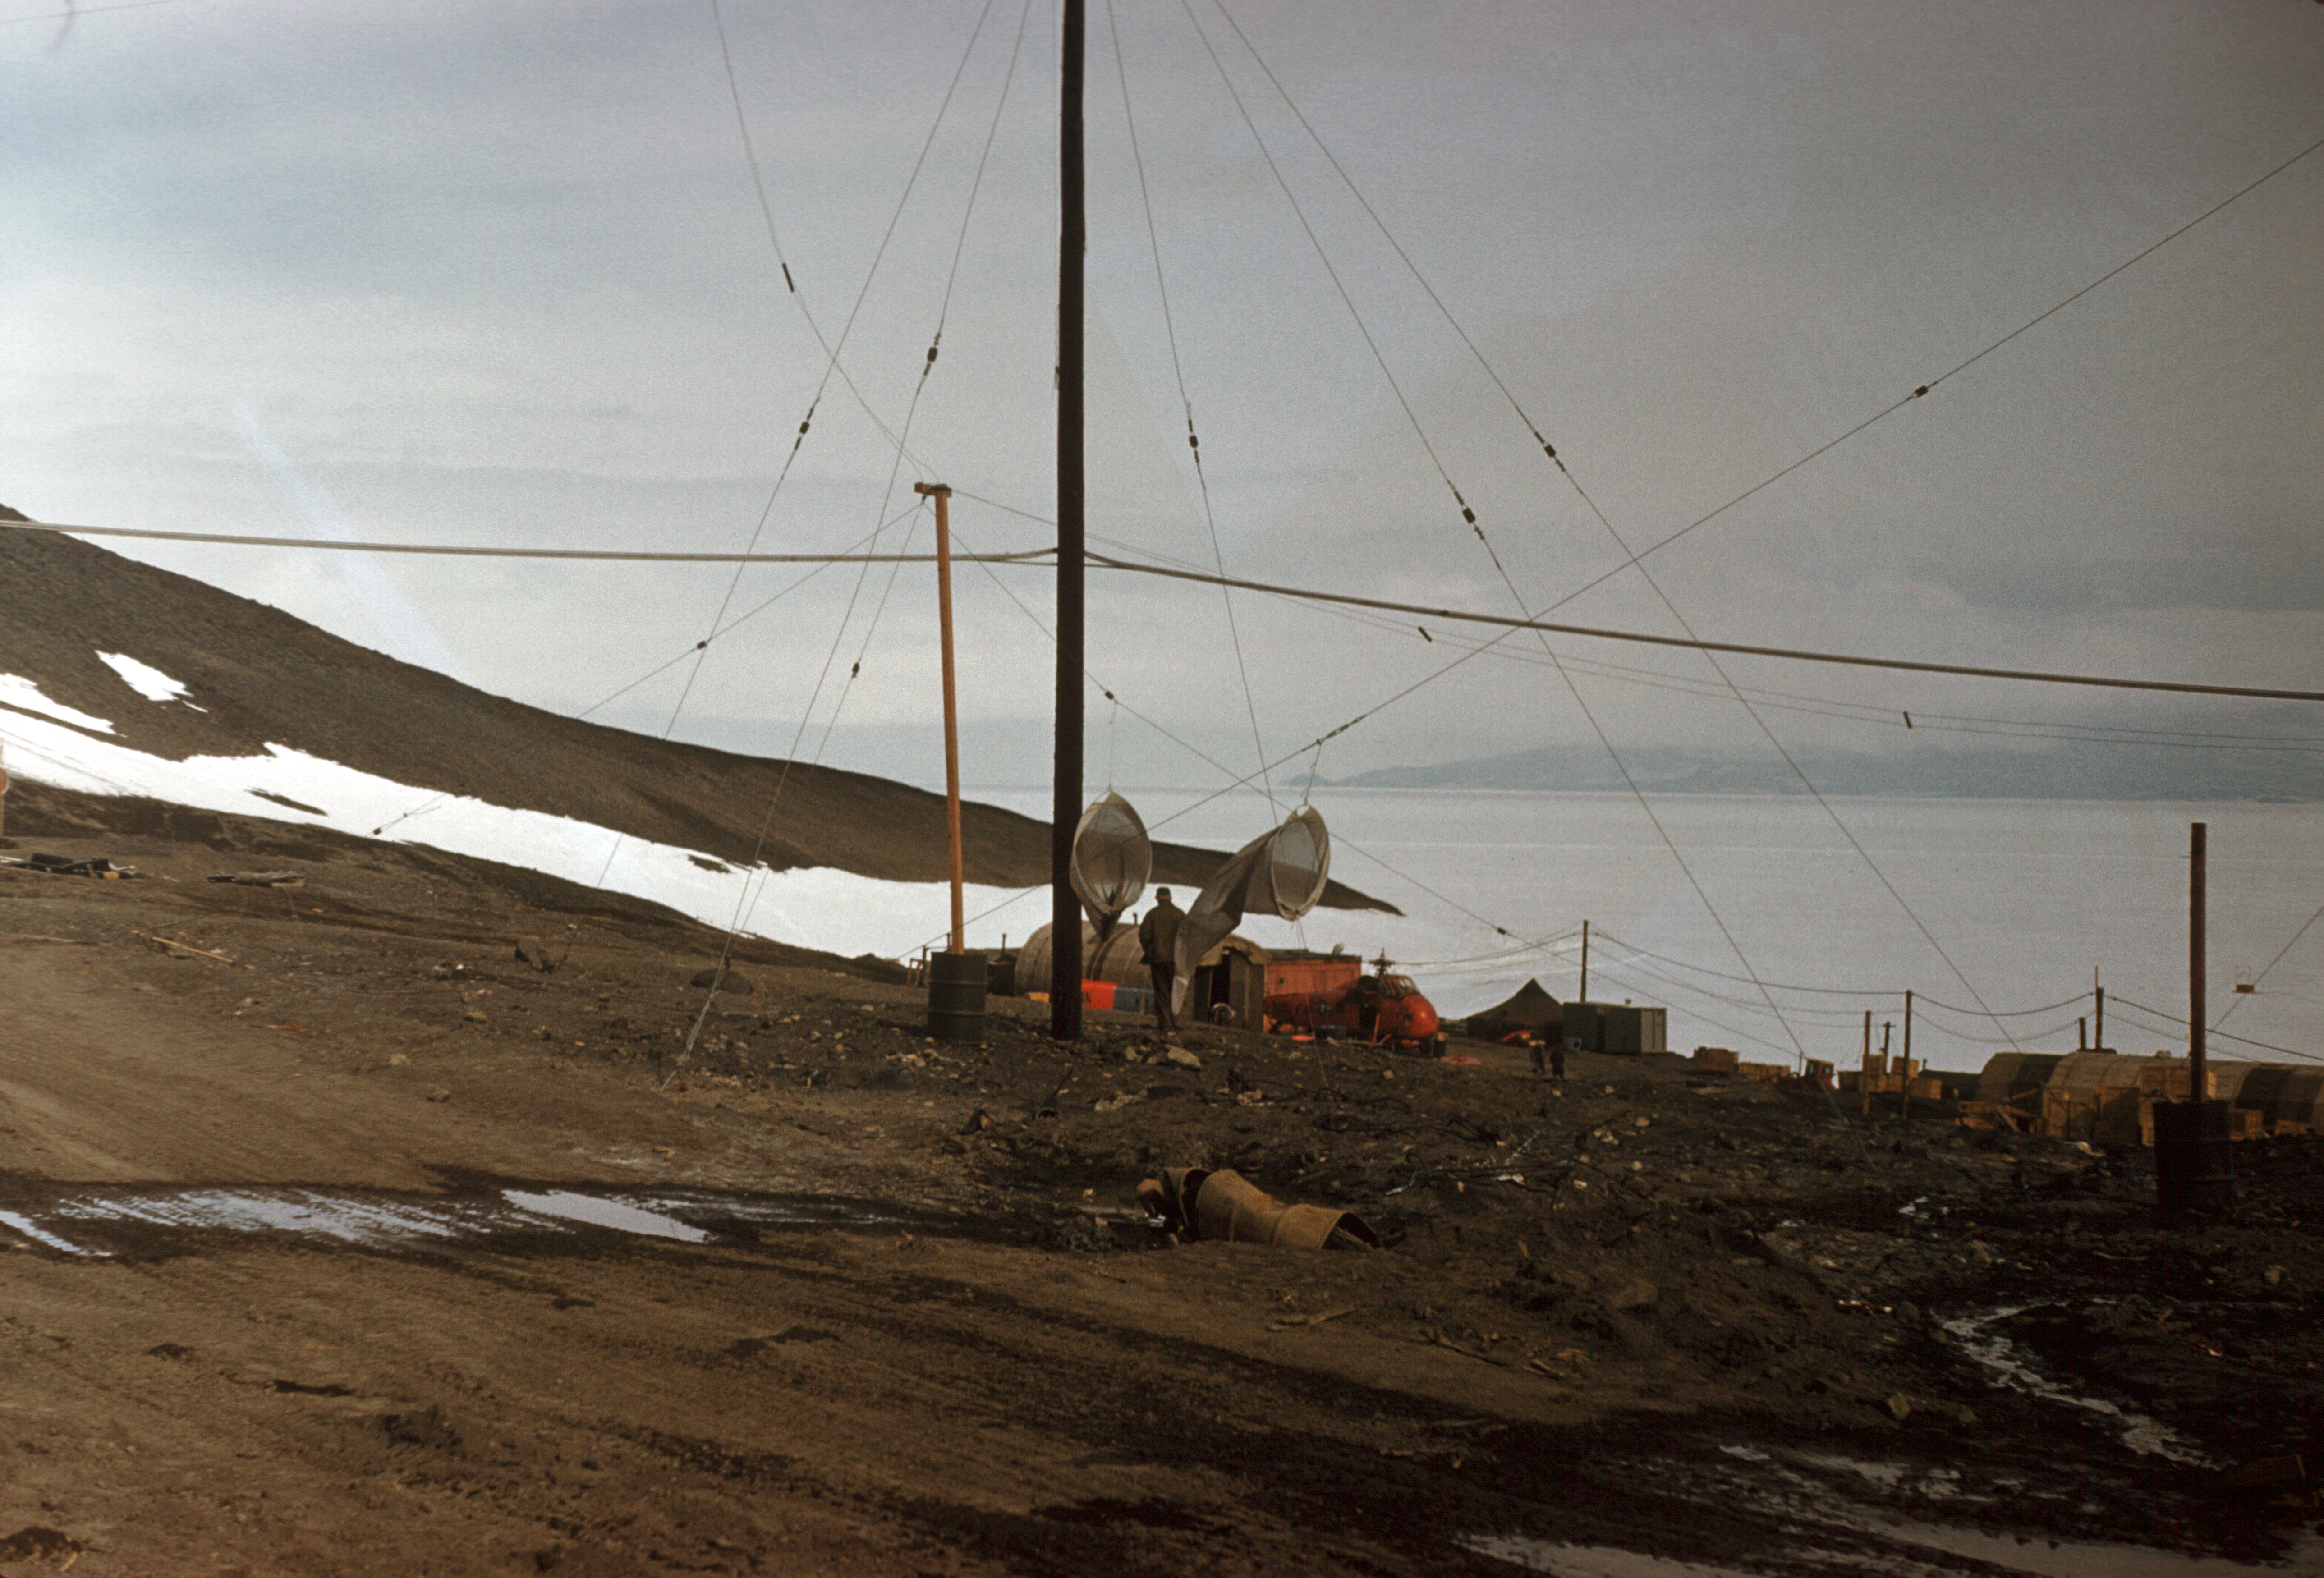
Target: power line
x,y
1034,557
1185,403
1468,514
1962,366
2237,1002
2179,1025
1880,714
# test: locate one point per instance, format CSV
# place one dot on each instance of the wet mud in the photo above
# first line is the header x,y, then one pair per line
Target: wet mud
x,y
356,1243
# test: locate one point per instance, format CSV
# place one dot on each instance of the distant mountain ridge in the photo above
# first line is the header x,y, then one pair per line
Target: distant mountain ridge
x,y
2068,771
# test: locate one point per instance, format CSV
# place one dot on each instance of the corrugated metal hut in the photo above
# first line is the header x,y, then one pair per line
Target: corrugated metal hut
x,y
2010,1075
1234,974
2095,1097
2108,1099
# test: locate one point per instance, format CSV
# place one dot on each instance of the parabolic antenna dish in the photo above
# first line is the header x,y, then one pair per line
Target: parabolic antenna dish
x,y
1282,871
1299,863
1113,858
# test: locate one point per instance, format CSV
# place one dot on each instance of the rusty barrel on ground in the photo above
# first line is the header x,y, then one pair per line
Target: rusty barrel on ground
x,y
956,985
2194,1159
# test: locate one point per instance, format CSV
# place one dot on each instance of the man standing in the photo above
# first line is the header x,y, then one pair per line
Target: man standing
x,y
1158,943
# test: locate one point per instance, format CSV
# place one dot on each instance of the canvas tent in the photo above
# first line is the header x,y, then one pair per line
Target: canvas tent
x,y
1529,1007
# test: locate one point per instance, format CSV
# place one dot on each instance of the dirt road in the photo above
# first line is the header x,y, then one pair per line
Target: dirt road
x,y
300,1276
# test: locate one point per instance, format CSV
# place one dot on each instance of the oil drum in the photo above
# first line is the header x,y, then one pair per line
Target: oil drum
x,y
956,986
2194,1164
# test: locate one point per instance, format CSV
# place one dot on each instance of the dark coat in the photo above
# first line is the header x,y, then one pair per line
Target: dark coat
x,y
1157,934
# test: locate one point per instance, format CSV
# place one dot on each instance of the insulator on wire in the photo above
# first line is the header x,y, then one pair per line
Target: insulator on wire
x,y
788,285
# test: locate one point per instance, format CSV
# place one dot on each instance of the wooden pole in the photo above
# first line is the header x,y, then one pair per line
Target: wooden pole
x,y
1065,797
1864,1065
943,496
1585,962
2099,1042
1904,1088
2195,961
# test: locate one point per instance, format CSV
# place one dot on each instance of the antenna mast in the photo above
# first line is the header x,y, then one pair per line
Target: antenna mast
x,y
1065,806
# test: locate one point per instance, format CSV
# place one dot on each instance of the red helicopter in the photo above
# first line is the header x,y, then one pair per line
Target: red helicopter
x,y
1329,995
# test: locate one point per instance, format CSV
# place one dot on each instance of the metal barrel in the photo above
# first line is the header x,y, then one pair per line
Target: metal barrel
x,y
2194,1162
956,987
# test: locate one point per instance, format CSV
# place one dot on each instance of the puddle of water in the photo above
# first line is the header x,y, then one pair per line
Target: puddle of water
x,y
24,1226
349,1220
78,1224
614,1213
1998,1357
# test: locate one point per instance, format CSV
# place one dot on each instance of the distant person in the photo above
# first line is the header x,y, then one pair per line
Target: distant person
x,y
1158,944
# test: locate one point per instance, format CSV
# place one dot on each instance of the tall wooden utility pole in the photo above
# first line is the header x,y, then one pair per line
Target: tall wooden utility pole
x,y
1065,797
2195,1090
1585,962
943,496
1864,1065
1904,1088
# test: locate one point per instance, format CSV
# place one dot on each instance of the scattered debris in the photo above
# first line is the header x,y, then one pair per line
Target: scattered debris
x,y
62,865
181,948
1226,1205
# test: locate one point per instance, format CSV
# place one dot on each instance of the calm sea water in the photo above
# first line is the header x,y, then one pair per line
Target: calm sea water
x,y
1998,905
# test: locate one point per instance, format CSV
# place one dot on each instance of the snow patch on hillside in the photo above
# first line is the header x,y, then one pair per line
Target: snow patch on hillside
x,y
17,691
837,911
144,678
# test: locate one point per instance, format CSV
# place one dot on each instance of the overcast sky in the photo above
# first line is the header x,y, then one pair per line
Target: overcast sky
x,y
499,273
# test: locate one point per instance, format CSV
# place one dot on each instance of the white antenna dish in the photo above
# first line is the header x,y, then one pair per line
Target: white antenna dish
x,y
1113,858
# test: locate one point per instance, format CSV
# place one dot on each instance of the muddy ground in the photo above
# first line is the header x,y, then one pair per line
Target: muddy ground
x,y
920,1325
